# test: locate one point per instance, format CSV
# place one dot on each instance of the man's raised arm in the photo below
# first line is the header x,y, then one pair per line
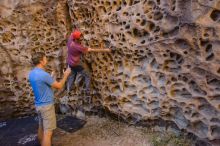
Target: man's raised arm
x,y
99,50
60,84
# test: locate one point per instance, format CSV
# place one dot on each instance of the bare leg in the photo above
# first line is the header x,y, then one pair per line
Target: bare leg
x,y
40,134
47,138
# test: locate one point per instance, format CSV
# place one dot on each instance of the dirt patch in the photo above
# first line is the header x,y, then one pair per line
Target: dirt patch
x,y
106,132
94,131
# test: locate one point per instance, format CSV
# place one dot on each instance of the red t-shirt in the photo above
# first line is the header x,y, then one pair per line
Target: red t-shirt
x,y
74,52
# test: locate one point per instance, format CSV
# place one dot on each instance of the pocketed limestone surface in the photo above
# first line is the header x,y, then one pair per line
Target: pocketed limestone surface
x,y
164,65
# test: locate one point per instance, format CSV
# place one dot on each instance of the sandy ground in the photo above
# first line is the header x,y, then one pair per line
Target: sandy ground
x,y
96,132
102,132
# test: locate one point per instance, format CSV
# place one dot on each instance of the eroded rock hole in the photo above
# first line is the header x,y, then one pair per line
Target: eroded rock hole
x,y
215,15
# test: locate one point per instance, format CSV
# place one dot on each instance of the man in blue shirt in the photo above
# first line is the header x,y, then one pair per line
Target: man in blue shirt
x,y
42,83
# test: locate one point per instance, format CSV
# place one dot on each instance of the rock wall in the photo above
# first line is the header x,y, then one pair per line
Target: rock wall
x,y
164,65
26,27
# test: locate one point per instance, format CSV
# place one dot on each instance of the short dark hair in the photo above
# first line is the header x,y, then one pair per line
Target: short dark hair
x,y
37,57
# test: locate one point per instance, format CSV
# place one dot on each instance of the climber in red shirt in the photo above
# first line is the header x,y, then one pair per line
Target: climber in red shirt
x,y
74,52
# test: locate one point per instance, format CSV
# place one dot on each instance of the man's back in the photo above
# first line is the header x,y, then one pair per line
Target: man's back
x,y
41,83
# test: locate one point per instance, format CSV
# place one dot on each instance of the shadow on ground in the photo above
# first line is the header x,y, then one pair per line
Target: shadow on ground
x,y
23,131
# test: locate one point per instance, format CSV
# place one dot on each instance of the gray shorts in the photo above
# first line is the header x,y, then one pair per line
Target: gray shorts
x,y
47,117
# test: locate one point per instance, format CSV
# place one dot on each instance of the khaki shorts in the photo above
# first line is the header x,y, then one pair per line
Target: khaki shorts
x,y
47,117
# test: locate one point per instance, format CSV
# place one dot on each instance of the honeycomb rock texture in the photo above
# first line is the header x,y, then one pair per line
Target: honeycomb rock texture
x,y
164,66
26,27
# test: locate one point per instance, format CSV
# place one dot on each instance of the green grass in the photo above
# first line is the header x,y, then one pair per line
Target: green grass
x,y
166,139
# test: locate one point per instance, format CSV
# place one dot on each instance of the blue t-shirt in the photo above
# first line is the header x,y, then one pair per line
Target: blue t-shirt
x,y
41,83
